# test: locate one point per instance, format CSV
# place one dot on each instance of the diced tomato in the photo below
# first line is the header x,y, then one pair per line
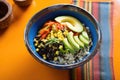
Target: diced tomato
x,y
48,26
60,26
43,31
43,36
50,23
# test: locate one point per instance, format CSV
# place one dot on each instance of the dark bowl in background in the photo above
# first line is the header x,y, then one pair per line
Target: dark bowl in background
x,y
49,13
5,14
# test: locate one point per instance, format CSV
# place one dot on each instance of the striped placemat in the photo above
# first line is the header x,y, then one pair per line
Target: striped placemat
x,y
101,66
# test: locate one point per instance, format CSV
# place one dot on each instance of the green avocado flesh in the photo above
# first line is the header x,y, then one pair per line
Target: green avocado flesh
x,y
84,40
68,45
71,22
72,41
84,33
78,41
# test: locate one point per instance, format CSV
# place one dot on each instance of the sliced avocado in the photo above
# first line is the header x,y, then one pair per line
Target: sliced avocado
x,y
84,40
67,45
71,22
85,34
78,41
72,41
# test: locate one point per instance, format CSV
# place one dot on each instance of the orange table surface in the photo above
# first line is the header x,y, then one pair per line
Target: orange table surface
x,y
15,61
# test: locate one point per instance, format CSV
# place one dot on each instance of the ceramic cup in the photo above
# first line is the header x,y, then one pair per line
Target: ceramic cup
x,y
5,14
23,3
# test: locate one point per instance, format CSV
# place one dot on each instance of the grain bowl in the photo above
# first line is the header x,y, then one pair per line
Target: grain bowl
x,y
63,36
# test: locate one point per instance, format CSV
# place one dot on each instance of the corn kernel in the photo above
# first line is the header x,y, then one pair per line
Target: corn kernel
x,y
44,56
37,49
36,44
36,41
60,47
57,52
55,34
55,58
65,33
59,38
44,40
39,46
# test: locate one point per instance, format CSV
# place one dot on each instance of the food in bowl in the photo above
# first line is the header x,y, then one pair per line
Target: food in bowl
x,y
90,35
63,40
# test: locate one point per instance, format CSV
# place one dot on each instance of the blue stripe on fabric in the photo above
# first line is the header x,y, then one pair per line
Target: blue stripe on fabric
x,y
75,2
105,47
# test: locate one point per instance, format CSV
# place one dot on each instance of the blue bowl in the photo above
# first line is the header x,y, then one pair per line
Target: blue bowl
x,y
50,13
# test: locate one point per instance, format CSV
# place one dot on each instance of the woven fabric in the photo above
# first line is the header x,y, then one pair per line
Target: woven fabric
x,y
101,66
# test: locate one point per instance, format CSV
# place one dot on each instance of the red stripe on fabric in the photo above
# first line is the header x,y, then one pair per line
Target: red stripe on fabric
x,y
75,73
95,11
79,73
96,59
72,2
96,67
81,3
85,69
111,48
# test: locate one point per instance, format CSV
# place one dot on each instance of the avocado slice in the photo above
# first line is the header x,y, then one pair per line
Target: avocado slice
x,y
85,34
71,22
78,41
83,39
67,45
72,41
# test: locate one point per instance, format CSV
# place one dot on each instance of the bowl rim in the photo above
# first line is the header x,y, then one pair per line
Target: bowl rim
x,y
66,66
9,12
